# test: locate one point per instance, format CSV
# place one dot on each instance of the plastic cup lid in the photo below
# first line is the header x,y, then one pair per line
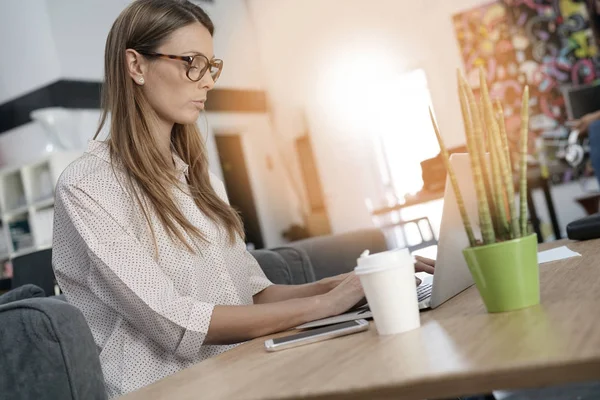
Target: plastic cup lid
x,y
383,261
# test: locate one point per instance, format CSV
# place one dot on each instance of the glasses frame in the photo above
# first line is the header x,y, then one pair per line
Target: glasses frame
x,y
215,62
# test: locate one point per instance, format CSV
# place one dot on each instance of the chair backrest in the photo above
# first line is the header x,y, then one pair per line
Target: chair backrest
x,y
337,254
47,348
34,268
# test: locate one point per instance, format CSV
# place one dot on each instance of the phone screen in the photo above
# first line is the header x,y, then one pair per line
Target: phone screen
x,y
314,332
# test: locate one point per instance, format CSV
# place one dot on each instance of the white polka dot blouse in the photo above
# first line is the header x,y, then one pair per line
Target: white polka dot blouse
x,y
149,312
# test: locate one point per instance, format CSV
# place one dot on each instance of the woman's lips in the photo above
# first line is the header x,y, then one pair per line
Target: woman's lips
x,y
198,103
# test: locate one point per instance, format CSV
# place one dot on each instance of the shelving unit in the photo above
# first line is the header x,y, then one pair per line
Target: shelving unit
x,y
27,204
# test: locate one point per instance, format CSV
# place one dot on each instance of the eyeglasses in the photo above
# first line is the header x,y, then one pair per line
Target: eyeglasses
x,y
197,65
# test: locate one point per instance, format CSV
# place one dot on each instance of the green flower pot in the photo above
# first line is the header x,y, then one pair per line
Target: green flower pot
x,y
506,273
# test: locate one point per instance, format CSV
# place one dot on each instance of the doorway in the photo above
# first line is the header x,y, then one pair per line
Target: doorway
x,y
238,186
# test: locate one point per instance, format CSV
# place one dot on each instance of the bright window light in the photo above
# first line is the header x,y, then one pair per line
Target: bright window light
x,y
364,94
405,131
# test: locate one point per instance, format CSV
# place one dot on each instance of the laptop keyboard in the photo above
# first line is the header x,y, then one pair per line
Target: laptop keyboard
x,y
424,291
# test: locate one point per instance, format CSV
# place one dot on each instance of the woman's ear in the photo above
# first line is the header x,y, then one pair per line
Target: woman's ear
x,y
136,66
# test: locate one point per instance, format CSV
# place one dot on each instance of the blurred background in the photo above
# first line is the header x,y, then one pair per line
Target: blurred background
x,y
319,123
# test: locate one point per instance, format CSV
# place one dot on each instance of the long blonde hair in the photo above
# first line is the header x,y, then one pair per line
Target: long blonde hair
x,y
143,26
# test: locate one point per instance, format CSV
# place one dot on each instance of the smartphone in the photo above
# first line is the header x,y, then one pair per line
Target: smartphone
x,y
317,335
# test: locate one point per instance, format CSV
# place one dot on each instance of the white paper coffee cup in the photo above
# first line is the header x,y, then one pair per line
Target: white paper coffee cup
x,y
388,279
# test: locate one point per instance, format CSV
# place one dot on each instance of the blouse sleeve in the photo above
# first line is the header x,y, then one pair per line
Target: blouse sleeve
x,y
258,279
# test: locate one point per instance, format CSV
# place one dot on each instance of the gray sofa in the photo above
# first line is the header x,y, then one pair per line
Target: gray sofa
x,y
47,350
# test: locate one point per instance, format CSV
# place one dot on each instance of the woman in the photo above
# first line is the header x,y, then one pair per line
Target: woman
x,y
145,243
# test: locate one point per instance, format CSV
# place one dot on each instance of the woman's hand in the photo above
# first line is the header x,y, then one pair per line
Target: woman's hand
x,y
346,295
422,264
582,124
332,282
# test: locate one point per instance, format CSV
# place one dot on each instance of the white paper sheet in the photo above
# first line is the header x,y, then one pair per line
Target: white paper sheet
x,y
559,253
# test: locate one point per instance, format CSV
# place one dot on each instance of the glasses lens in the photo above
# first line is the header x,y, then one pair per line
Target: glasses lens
x,y
198,68
215,69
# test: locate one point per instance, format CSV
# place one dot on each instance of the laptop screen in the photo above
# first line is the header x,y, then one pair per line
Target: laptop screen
x,y
582,100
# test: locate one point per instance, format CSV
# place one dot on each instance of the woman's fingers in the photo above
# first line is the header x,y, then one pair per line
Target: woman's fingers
x,y
422,267
424,264
425,260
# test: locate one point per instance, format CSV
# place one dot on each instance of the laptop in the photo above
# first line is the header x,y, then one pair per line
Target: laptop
x,y
451,275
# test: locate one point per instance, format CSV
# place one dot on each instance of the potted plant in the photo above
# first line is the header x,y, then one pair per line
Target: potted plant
x,y
503,262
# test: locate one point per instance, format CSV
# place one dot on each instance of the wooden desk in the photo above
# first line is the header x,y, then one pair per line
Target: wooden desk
x,y
460,349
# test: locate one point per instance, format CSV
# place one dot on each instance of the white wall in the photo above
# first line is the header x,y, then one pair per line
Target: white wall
x,y
29,61
29,58
300,41
236,43
80,29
